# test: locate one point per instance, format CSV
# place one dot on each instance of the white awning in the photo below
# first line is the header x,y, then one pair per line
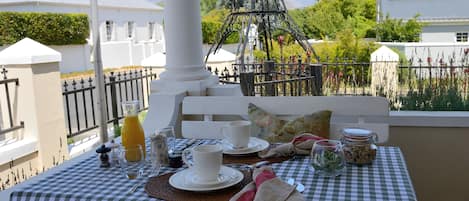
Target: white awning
x,y
221,56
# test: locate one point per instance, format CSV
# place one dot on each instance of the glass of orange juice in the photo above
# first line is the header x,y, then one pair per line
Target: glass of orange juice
x,y
132,132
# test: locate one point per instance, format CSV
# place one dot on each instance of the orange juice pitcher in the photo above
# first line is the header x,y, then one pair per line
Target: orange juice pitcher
x,y
132,132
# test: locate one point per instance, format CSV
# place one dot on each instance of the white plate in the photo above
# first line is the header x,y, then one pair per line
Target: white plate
x,y
255,145
184,180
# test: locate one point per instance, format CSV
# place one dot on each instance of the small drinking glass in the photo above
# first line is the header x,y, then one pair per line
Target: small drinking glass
x,y
131,161
327,158
168,132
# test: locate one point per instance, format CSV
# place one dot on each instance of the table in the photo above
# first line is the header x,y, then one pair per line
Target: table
x,y
386,179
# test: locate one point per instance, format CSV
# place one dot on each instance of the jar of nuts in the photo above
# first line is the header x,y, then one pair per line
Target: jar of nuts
x,y
359,147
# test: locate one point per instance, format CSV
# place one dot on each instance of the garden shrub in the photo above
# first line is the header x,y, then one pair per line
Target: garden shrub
x,y
210,30
46,28
211,24
439,98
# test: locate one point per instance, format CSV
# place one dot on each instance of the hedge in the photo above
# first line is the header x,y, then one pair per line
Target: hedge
x,y
210,31
46,28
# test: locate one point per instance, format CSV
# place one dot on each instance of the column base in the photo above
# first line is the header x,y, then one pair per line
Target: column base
x,y
192,88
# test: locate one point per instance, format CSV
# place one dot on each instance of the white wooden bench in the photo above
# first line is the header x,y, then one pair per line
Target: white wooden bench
x,y
347,111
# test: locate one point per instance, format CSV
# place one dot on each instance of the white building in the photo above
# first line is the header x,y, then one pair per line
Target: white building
x,y
446,21
444,36
131,30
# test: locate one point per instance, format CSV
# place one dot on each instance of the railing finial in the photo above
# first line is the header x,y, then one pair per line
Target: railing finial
x,y
4,72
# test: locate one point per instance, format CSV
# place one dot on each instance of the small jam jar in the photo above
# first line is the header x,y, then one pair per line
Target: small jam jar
x,y
359,147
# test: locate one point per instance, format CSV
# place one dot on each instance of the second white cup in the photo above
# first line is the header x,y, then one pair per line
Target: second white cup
x,y
237,133
207,161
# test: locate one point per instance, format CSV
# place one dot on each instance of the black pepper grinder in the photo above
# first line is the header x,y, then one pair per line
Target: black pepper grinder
x,y
103,150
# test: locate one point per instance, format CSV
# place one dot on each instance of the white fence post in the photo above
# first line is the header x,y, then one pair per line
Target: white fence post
x,y
384,72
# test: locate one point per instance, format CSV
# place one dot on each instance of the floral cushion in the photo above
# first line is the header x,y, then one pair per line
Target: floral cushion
x,y
274,129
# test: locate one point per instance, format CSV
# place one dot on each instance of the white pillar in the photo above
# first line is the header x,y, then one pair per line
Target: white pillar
x,y
185,72
185,67
183,31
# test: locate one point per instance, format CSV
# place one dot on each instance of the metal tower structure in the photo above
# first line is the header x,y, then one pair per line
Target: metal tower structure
x,y
268,16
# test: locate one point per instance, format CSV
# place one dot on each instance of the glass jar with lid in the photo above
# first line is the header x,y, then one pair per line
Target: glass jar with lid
x,y
359,145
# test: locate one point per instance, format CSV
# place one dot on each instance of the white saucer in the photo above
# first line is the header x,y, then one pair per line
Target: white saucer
x,y
255,145
184,180
195,180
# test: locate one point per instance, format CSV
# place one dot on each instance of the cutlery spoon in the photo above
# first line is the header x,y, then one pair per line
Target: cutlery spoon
x,y
188,144
132,190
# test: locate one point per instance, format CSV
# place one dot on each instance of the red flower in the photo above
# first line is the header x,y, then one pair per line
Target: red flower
x,y
280,40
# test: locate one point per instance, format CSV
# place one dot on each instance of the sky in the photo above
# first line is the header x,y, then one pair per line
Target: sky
x,y
298,3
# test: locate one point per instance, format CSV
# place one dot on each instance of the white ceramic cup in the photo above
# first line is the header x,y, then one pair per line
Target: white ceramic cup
x,y
207,161
237,133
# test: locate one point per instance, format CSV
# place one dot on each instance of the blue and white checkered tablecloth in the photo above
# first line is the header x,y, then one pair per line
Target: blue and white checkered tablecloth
x,y
386,179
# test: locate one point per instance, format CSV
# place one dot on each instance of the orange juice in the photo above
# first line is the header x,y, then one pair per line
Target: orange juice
x,y
132,133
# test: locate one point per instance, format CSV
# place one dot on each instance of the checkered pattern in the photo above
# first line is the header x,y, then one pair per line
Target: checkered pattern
x,y
386,179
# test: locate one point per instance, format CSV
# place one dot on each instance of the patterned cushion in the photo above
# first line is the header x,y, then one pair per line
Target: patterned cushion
x,y
274,129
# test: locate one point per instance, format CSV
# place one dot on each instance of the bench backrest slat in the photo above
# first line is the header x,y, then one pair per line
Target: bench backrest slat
x,y
347,106
283,105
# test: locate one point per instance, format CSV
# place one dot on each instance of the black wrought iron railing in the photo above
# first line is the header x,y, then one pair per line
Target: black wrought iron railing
x,y
80,98
8,123
271,79
435,85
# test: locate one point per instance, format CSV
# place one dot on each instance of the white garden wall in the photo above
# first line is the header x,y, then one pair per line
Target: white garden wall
x,y
114,54
74,57
434,50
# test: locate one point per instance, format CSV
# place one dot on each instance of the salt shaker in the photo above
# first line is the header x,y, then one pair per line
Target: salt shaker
x,y
159,148
114,156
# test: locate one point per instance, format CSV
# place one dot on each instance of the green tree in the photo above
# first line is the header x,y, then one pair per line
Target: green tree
x,y
207,5
327,17
217,15
391,30
212,23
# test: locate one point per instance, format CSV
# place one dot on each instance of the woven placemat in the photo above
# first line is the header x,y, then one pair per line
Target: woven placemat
x,y
159,187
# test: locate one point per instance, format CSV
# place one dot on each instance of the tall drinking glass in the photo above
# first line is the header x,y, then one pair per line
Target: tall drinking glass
x,y
327,158
131,161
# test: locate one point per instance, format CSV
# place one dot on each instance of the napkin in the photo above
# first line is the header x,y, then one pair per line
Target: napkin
x,y
301,145
267,187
